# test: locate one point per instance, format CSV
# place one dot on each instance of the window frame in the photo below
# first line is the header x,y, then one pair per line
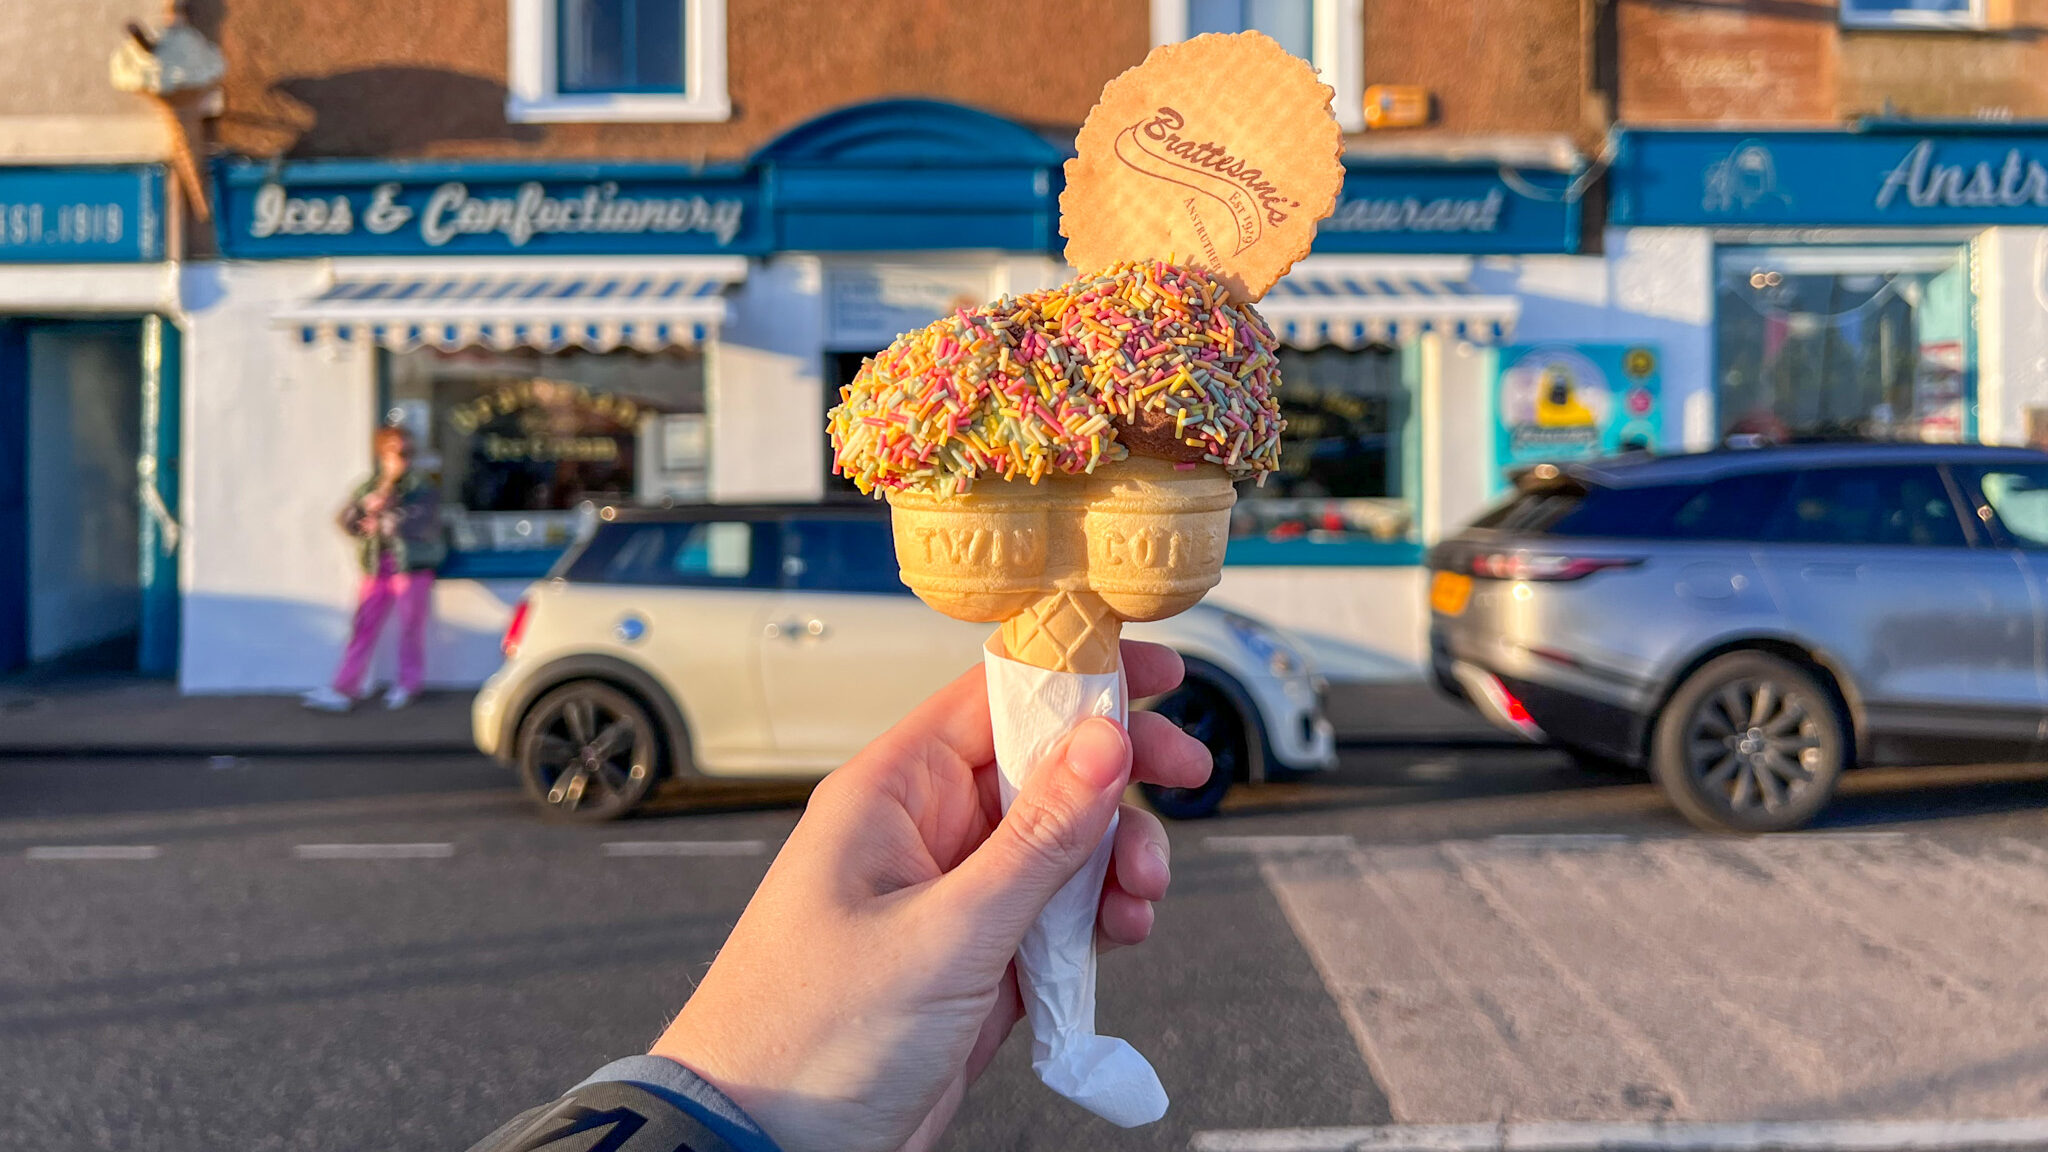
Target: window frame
x,y
534,94
1338,49
1976,19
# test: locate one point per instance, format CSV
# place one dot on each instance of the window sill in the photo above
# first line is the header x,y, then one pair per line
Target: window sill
x,y
618,108
1253,551
1919,22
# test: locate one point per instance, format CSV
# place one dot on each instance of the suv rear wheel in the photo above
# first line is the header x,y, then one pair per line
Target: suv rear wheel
x,y
587,752
1205,712
1750,743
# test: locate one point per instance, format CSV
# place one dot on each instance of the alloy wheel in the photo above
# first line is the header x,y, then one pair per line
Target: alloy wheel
x,y
1755,745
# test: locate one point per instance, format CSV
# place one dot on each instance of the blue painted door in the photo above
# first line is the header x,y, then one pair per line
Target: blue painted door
x,y
156,470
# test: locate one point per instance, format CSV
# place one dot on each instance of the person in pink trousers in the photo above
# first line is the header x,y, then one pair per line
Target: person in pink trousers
x,y
395,518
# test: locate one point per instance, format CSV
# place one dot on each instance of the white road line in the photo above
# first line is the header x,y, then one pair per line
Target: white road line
x,y
94,852
373,851
686,848
1279,843
1818,1136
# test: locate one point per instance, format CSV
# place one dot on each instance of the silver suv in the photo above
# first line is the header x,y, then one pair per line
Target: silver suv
x,y
1748,624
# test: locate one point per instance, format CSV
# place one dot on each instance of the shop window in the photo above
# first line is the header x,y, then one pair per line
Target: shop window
x,y
1343,490
1914,14
1844,344
617,60
518,440
1329,34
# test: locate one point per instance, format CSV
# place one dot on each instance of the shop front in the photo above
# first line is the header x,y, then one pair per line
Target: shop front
x,y
89,419
551,333
1881,282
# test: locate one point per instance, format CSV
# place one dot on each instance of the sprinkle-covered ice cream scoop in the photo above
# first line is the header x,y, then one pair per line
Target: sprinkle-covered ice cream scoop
x,y
1145,357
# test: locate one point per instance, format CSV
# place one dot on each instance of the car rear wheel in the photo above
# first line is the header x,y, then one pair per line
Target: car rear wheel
x,y
587,752
1205,712
1750,743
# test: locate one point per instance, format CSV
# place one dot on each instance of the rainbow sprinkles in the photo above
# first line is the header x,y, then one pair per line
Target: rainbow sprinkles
x,y
1044,382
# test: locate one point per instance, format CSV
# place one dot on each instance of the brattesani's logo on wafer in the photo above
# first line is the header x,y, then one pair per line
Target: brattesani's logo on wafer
x,y
1217,176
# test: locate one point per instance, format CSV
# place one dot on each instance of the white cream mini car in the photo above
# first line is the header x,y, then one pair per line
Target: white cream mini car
x,y
762,642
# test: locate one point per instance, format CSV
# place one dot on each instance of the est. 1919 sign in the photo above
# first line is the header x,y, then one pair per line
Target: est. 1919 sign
x,y
81,215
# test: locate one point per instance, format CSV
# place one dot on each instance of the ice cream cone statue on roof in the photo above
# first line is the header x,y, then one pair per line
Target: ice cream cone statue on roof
x,y
180,71
1062,462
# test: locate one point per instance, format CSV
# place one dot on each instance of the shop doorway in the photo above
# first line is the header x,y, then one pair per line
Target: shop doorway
x,y
88,471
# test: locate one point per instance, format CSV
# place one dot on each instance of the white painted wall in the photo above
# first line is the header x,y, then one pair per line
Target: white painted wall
x,y
1362,624
767,386
1654,285
276,433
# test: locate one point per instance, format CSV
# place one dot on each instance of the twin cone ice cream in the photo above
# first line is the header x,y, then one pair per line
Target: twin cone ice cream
x,y
1061,462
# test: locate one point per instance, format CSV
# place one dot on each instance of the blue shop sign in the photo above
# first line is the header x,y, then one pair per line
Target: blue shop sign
x,y
1892,174
350,208
1450,209
81,215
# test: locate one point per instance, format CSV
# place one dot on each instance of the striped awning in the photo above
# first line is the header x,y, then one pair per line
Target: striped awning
x,y
507,304
1352,302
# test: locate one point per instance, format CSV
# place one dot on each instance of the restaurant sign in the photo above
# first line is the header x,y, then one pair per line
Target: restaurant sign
x,y
360,209
1890,175
1450,208
88,215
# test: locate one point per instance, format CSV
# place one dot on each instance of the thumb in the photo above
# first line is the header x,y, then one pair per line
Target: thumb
x,y
1053,826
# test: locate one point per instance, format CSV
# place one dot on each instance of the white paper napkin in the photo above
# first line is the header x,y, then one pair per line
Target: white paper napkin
x,y
1032,709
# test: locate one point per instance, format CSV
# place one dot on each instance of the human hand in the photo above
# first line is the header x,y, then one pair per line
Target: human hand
x,y
869,981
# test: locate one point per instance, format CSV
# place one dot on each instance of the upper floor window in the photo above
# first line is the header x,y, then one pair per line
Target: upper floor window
x,y
1329,34
1964,14
599,60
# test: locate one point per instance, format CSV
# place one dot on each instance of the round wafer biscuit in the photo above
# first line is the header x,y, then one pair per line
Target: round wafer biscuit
x,y
1218,152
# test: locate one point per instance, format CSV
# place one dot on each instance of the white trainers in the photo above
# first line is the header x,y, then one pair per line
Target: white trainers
x,y
398,698
327,700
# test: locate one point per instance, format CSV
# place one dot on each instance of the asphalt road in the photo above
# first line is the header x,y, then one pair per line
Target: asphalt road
x,y
199,954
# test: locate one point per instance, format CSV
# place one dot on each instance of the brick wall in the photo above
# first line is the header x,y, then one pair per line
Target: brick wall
x,y
427,77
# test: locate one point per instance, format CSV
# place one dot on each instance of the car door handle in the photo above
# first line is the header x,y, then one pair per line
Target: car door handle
x,y
783,630
1832,572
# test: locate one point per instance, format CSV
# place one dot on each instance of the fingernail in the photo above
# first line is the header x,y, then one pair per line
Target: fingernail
x,y
1098,752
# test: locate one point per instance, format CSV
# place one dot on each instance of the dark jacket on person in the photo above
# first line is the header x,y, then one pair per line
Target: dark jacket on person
x,y
415,543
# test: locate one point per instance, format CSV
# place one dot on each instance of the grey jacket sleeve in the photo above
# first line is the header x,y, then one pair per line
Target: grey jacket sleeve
x,y
639,1104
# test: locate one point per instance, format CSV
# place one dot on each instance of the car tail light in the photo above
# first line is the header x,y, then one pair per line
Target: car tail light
x,y
1545,566
516,630
1517,714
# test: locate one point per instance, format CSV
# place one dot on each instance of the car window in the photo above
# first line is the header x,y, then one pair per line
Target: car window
x,y
1630,513
2019,495
842,555
1886,506
690,554
1731,508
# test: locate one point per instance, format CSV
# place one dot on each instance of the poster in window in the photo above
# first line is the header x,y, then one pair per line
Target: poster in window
x,y
1572,401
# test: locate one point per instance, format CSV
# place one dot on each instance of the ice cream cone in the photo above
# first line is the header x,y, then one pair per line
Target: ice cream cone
x,y
1062,564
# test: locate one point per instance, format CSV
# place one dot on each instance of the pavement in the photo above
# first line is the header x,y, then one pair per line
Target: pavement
x,y
115,715
1443,947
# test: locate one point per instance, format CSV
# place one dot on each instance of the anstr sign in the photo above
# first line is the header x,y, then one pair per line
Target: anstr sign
x,y
391,210
1445,208
1882,176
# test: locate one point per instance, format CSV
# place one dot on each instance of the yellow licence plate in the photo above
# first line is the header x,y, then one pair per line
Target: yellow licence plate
x,y
1449,592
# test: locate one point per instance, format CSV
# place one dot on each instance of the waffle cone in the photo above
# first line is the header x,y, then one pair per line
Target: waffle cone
x,y
1063,563
184,119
